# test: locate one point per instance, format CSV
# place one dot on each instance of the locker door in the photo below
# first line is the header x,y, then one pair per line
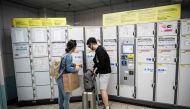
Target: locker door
x,y
43,92
41,64
75,33
145,54
22,65
109,32
144,81
112,85
58,49
20,50
25,93
42,78
165,83
185,24
56,93
184,86
57,34
39,49
38,34
126,31
129,89
167,28
146,29
23,79
19,35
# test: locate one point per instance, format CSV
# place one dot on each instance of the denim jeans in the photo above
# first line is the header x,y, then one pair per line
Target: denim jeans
x,y
64,97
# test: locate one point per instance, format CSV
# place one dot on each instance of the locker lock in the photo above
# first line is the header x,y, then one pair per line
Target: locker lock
x,y
174,87
153,85
134,95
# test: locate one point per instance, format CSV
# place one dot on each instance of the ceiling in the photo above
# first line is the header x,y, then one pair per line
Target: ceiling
x,y
78,5
69,5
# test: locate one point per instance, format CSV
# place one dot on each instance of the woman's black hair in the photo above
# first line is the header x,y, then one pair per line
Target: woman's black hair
x,y
70,45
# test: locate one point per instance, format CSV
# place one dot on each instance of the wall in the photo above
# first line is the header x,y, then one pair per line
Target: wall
x,y
68,15
93,17
8,12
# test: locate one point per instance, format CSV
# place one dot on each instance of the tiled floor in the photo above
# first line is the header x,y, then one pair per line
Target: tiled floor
x,y
78,105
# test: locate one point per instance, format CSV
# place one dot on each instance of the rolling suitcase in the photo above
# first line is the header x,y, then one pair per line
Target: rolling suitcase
x,y
88,100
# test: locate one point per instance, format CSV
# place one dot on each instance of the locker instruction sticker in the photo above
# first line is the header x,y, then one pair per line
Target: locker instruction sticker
x,y
21,50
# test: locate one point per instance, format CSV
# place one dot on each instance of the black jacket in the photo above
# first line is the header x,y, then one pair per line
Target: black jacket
x,y
102,61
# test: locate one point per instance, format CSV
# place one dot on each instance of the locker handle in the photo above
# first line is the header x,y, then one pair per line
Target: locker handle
x,y
175,45
134,95
176,31
153,32
153,85
174,87
175,59
133,33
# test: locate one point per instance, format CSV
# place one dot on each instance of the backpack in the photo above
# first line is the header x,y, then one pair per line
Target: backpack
x,y
89,81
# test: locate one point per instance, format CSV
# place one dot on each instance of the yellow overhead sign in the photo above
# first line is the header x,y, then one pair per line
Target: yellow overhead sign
x,y
39,22
162,13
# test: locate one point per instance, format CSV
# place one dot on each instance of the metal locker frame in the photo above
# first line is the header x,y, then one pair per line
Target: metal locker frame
x,y
126,31
90,31
174,31
145,91
184,66
111,37
78,39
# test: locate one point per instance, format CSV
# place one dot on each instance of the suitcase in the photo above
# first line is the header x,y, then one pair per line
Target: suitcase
x,y
88,100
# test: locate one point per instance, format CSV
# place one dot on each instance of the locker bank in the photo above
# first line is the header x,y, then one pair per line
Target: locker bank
x,y
148,43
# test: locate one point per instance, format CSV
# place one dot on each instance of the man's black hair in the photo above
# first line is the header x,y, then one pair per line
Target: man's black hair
x,y
91,40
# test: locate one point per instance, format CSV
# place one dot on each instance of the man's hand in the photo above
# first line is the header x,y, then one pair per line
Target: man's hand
x,y
94,71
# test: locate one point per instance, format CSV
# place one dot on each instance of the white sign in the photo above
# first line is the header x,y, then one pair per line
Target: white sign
x,y
20,50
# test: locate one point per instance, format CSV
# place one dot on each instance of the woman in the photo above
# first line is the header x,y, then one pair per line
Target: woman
x,y
66,66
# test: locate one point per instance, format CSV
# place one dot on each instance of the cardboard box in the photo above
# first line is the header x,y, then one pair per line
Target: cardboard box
x,y
71,81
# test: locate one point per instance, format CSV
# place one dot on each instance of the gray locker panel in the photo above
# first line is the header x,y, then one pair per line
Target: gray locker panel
x,y
145,41
144,81
89,60
25,93
43,92
168,42
184,86
185,42
19,35
166,56
42,78
38,34
92,32
112,85
78,59
55,91
78,91
23,79
167,28
184,57
146,29
39,49
109,32
75,33
165,83
57,49
20,50
22,65
185,26
126,30
57,34
41,64
145,54
126,91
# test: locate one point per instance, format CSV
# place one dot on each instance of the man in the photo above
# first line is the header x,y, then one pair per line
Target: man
x,y
101,66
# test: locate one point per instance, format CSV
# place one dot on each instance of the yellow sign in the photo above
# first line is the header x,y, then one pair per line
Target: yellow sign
x,y
130,55
163,13
39,22
20,22
35,22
